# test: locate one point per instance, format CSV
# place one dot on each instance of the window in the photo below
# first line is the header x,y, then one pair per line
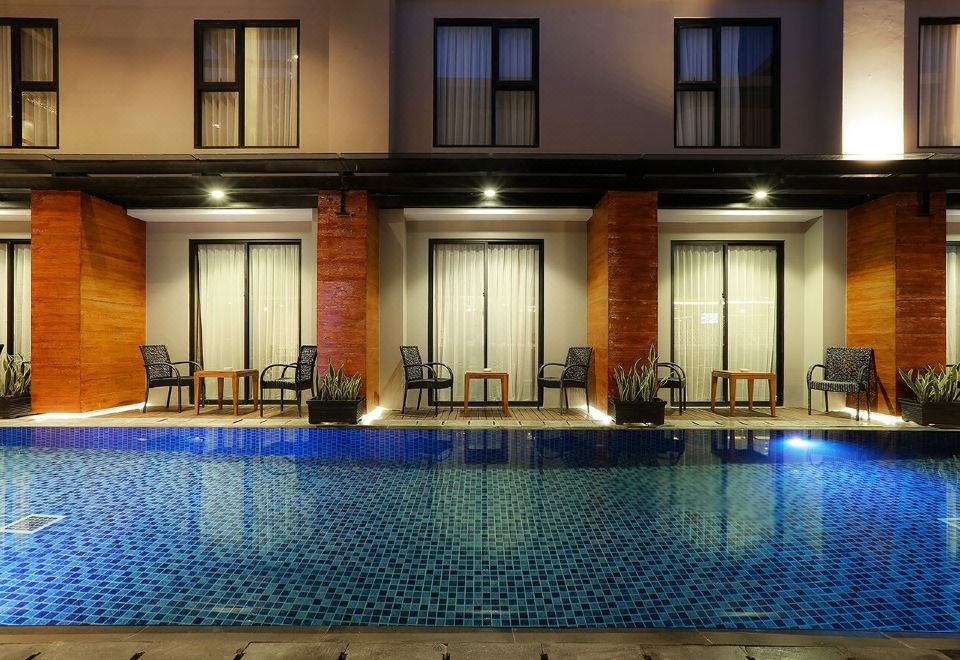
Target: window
x,y
247,84
486,83
15,297
29,76
727,75
939,97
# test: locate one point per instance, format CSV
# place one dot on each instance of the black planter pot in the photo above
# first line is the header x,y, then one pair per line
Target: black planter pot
x,y
14,406
637,412
930,414
337,412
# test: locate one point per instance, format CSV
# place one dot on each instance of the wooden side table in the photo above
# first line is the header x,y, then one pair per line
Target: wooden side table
x,y
750,377
502,376
220,374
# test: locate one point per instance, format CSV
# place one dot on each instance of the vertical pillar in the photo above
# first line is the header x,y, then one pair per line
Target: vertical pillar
x,y
896,286
621,285
88,316
348,287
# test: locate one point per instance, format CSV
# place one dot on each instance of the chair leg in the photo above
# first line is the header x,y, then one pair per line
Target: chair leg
x,y
261,400
179,399
281,401
451,398
299,409
586,393
403,407
169,392
809,401
826,401
436,403
858,405
419,398
146,397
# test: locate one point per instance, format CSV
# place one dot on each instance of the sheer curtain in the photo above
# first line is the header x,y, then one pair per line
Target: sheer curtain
x,y
940,85
221,303
5,254
21,300
695,109
6,88
730,86
463,85
752,312
274,304
953,304
270,86
746,86
39,109
513,292
516,109
219,111
458,311
698,314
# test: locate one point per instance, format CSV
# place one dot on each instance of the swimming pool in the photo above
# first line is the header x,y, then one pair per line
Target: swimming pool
x,y
611,529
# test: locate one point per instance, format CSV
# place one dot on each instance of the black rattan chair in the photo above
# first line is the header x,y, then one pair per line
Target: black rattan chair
x,y
300,380
847,370
419,375
676,380
161,372
575,374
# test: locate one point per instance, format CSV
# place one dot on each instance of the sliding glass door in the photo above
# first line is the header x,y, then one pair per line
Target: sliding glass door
x,y
727,312
486,310
246,303
15,297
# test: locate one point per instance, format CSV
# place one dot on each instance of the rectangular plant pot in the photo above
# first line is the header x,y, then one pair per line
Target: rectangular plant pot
x,y
337,412
930,414
637,412
14,406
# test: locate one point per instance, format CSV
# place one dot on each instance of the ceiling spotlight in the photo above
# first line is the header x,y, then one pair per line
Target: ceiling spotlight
x,y
217,194
489,193
760,195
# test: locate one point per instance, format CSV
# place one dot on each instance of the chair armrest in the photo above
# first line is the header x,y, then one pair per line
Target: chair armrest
x,y
551,364
810,372
563,374
196,365
863,374
675,369
430,365
282,371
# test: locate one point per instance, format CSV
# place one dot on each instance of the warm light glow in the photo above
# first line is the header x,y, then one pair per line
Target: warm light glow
x,y
373,415
597,416
873,138
44,417
760,195
218,194
888,420
489,193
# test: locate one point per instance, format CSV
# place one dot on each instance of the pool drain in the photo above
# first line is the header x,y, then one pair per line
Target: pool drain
x,y
30,524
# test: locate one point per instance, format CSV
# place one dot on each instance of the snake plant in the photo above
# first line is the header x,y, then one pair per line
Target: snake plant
x,y
335,385
15,376
933,384
640,383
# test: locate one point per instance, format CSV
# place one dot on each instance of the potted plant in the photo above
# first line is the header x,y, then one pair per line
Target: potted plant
x,y
15,379
636,401
338,398
937,396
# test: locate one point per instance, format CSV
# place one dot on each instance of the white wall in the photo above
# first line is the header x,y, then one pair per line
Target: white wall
x,y
565,287
813,308
168,277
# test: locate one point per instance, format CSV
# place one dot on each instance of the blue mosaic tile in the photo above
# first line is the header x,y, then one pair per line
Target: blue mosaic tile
x,y
385,527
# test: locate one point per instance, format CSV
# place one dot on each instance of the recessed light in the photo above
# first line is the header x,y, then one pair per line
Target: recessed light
x,y
217,194
760,194
489,193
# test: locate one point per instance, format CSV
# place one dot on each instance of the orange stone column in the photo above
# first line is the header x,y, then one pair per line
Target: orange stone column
x,y
348,288
88,303
896,286
621,285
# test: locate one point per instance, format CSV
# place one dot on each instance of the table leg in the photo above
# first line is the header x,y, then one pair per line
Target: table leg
x,y
466,396
750,382
219,394
196,394
236,395
733,396
773,396
713,393
505,394
255,379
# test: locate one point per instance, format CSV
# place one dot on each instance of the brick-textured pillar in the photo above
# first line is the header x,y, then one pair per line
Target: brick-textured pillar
x,y
348,288
896,286
621,285
88,315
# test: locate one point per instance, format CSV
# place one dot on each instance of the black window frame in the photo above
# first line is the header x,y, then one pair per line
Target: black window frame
x,y
496,85
19,86
929,20
237,85
716,24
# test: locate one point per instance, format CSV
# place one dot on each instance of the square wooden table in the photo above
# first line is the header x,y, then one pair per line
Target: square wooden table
x,y
220,374
502,376
750,377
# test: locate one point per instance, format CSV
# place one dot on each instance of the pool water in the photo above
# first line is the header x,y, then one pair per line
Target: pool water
x,y
610,529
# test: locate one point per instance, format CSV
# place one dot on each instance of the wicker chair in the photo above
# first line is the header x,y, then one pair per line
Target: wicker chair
x,y
161,372
575,374
300,380
675,380
848,370
419,375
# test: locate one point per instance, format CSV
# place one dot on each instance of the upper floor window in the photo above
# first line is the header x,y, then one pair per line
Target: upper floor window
x,y
939,82
247,84
28,83
486,83
727,76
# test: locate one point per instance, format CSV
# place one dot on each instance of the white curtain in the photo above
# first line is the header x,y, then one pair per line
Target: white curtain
x,y
730,86
458,317
220,294
39,120
219,111
274,305
940,85
698,315
513,291
516,54
5,250
21,300
746,86
6,88
752,312
695,109
270,86
953,304
463,85
516,118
